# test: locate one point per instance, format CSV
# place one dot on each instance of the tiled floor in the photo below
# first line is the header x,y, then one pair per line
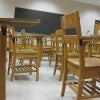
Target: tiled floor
x,y
25,87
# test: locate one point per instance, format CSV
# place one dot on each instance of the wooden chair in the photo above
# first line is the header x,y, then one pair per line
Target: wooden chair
x,y
87,70
20,43
53,48
59,52
11,32
25,52
46,46
95,46
95,51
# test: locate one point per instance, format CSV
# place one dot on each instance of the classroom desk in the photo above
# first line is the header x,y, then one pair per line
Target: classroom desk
x,y
4,22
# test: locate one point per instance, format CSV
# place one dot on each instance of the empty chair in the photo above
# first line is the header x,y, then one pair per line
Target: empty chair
x,y
25,52
46,46
59,52
53,48
95,46
86,69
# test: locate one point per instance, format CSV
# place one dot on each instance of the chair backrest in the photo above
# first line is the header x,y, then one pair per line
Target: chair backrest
x,y
53,41
19,41
47,41
11,35
59,40
96,45
70,21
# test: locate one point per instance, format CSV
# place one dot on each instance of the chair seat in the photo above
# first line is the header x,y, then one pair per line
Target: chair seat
x,y
59,54
26,52
54,49
73,54
89,62
98,56
47,47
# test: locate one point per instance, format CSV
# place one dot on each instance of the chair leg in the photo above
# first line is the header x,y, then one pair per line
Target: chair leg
x,y
94,85
48,56
8,69
37,71
64,80
55,69
80,89
12,75
61,73
9,63
30,64
13,67
50,59
50,62
63,87
22,61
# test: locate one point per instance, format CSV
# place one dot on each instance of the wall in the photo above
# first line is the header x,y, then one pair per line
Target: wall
x,y
88,13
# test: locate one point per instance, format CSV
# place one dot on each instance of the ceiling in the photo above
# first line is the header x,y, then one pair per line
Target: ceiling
x,y
92,2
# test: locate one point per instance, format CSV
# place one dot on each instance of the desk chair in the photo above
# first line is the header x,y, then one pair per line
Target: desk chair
x,y
87,70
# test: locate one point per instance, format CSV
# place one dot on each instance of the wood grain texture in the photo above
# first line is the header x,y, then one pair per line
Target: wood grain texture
x,y
3,64
18,22
84,68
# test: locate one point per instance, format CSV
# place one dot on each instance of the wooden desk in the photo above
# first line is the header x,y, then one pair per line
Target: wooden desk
x,y
18,22
6,22
3,63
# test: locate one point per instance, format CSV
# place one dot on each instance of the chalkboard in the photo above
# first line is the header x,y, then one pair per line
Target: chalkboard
x,y
97,21
50,22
